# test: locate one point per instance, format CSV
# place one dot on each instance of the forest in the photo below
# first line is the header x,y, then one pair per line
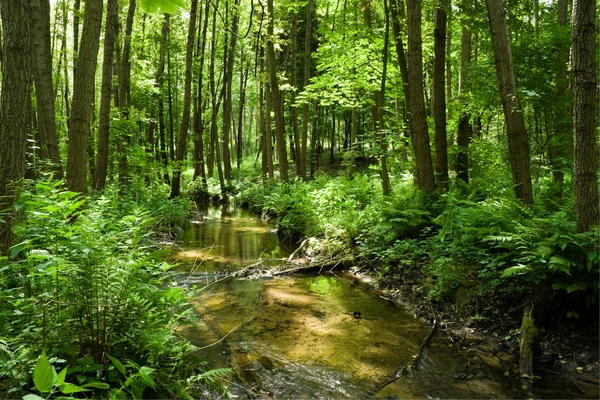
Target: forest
x,y
444,153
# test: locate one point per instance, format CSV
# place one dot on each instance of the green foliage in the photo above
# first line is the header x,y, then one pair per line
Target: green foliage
x,y
84,281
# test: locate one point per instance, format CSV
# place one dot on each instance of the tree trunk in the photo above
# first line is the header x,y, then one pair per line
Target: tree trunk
x,y
439,96
83,97
276,95
112,20
418,119
307,53
199,166
15,109
268,132
240,130
518,144
464,132
125,93
227,85
42,75
585,154
187,99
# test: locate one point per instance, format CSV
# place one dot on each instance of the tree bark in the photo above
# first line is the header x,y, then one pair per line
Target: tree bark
x,y
83,97
199,166
15,109
187,99
585,154
112,20
293,80
518,143
227,85
307,53
276,95
439,96
42,75
464,132
418,119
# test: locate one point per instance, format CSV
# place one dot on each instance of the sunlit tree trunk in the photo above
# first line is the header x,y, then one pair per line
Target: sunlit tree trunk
x,y
305,117
187,99
106,94
585,154
199,165
83,97
227,86
276,95
15,109
418,119
518,144
293,79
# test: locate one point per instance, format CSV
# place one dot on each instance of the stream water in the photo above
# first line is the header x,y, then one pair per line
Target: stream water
x,y
295,336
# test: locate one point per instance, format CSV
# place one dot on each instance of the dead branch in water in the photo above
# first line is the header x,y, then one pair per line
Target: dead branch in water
x,y
414,364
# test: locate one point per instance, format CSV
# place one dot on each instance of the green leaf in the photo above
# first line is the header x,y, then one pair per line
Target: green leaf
x,y
17,248
117,364
166,6
96,385
117,394
60,379
44,376
517,270
68,388
32,397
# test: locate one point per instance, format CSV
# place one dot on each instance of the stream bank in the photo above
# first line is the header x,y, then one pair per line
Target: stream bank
x,y
295,335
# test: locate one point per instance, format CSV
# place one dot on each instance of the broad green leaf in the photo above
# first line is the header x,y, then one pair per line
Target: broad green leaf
x,y
44,376
96,385
60,379
17,248
68,388
117,364
117,394
517,270
165,6
32,397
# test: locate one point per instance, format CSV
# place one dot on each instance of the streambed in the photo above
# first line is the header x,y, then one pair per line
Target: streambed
x,y
296,336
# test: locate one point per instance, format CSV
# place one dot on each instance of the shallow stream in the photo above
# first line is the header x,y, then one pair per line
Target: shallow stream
x,y
296,336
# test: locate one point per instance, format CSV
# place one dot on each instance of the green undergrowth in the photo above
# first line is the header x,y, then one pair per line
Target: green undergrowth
x,y
472,243
83,292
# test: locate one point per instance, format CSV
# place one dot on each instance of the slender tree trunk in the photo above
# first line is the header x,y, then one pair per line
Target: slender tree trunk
x,y
112,20
585,154
303,157
187,95
199,166
276,95
240,131
269,132
518,144
560,144
439,96
42,74
464,134
125,93
293,79
15,109
418,119
83,97
227,85
158,97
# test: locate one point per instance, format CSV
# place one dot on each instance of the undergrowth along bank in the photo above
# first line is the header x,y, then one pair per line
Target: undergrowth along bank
x,y
86,305
474,246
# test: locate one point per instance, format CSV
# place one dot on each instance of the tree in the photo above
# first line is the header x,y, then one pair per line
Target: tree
x,y
187,100
439,95
42,75
83,97
15,109
105,95
307,55
418,119
585,154
276,95
518,143
464,131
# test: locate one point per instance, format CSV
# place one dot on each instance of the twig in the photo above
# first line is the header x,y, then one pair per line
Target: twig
x,y
228,333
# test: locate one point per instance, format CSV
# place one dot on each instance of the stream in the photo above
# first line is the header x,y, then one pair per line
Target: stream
x,y
296,336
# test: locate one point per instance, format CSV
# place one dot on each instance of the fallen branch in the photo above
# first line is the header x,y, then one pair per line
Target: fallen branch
x,y
317,265
227,334
414,364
